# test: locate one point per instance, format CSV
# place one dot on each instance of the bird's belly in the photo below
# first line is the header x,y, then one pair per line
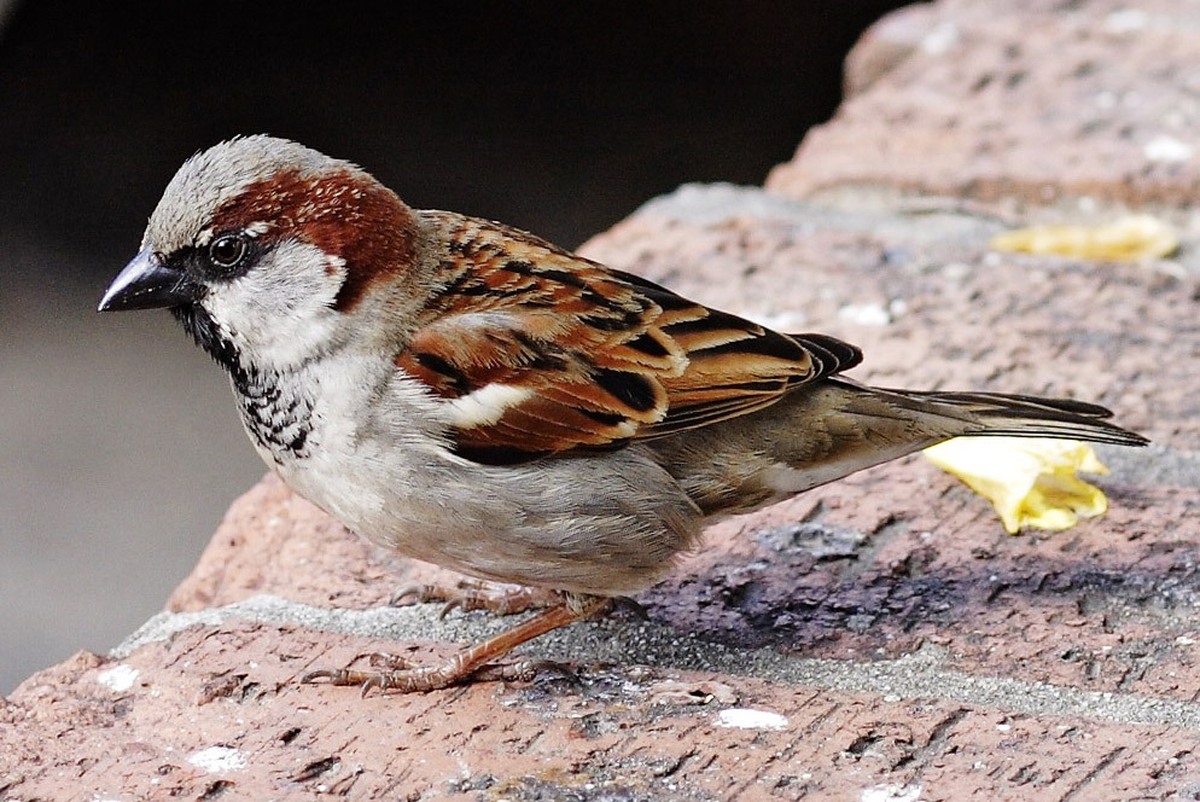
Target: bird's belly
x,y
582,525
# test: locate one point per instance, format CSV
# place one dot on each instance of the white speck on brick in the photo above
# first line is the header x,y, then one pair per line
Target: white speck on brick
x,y
1167,149
120,677
865,314
1126,20
218,759
938,41
957,271
891,793
745,718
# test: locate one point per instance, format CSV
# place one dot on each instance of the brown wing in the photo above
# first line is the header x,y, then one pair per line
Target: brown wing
x,y
540,351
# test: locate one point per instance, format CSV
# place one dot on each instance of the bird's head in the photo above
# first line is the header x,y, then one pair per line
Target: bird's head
x,y
264,249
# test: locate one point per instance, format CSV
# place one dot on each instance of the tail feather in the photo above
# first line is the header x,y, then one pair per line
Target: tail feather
x,y
832,428
997,414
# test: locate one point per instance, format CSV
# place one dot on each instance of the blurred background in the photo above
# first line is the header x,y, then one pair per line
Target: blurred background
x,y
119,445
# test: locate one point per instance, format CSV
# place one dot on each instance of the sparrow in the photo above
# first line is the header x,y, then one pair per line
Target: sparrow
x,y
468,394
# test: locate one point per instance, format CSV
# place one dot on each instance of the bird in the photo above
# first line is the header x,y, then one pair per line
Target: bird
x,y
468,394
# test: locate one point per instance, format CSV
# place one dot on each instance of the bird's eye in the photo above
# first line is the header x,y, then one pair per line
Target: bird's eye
x,y
228,251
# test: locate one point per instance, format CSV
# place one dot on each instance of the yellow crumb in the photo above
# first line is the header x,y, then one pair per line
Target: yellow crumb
x,y
1031,482
1129,239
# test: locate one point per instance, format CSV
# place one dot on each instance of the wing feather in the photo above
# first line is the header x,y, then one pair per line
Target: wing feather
x,y
541,352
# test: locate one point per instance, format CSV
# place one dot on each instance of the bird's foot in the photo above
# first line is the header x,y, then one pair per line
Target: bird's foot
x,y
472,594
392,673
474,663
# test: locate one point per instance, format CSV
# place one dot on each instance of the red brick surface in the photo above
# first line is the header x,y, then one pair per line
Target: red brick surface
x,y
902,644
614,735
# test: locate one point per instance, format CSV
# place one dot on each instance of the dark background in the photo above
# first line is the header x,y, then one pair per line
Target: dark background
x,y
119,448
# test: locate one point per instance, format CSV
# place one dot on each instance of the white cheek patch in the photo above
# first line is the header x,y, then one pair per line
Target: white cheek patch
x,y
293,278
486,405
281,309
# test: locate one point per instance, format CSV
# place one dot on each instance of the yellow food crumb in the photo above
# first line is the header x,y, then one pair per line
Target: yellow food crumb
x,y
1030,481
1129,239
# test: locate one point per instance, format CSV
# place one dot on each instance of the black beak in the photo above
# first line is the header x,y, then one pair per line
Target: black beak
x,y
147,283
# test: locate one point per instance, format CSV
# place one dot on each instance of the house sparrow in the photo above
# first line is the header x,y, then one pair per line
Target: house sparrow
x,y
465,393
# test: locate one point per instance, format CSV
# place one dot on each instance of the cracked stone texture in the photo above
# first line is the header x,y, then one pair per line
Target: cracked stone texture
x,y
888,639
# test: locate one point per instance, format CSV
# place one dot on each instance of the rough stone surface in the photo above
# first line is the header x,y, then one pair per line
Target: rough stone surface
x,y
1023,102
880,638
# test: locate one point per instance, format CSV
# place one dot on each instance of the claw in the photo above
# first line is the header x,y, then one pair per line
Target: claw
x,y
334,676
418,592
374,681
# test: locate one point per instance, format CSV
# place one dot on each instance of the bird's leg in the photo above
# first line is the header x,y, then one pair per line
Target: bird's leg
x,y
474,662
472,594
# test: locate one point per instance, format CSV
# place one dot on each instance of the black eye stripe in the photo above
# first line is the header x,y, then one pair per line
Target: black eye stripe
x,y
226,256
